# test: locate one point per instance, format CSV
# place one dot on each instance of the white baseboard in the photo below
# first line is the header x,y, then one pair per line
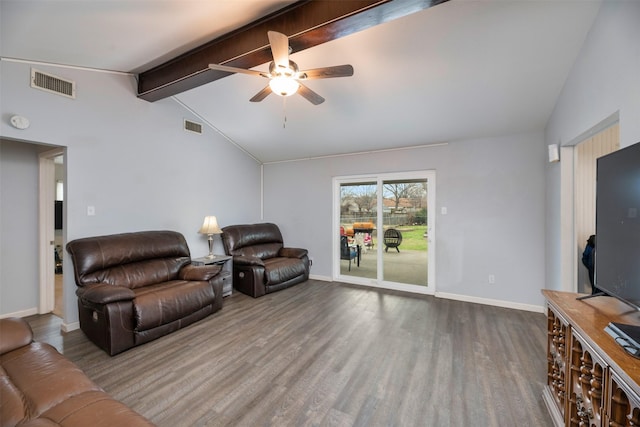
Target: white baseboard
x,y
493,302
21,313
68,327
457,297
64,327
323,278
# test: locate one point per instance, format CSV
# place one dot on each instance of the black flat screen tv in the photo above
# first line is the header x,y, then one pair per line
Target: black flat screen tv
x,y
617,254
58,215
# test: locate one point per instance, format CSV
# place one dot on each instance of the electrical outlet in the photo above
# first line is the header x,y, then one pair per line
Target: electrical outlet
x,y
492,279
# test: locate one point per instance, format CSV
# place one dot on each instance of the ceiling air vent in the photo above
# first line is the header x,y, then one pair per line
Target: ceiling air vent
x,y
192,126
53,84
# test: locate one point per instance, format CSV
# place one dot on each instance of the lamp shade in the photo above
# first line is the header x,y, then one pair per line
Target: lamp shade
x,y
210,226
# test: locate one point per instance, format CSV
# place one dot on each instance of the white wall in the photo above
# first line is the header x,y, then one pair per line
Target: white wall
x,y
18,227
128,158
605,79
493,189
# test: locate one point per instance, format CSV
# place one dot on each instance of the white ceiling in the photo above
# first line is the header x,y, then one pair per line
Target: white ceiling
x,y
462,69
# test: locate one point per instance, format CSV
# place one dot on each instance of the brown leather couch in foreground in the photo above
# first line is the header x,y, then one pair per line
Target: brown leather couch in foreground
x,y
40,387
136,287
261,263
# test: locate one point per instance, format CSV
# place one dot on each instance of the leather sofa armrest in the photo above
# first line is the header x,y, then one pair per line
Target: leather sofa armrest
x,y
103,293
14,333
199,272
293,252
248,260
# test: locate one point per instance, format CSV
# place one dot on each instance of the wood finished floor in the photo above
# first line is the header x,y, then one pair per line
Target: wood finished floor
x,y
330,354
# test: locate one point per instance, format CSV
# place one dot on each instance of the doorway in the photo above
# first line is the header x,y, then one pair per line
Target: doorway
x,y
383,233
51,221
586,154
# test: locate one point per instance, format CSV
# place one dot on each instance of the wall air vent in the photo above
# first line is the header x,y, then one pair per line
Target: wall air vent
x,y
192,126
53,84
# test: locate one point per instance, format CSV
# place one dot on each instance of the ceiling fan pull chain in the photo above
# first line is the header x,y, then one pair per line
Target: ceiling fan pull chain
x,y
284,112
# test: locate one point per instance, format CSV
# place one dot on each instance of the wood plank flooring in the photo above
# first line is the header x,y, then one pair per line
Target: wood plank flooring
x,y
330,354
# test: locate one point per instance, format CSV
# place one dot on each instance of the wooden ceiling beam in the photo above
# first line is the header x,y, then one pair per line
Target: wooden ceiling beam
x,y
307,23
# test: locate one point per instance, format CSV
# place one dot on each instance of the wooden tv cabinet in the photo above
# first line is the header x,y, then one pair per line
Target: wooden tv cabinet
x,y
591,380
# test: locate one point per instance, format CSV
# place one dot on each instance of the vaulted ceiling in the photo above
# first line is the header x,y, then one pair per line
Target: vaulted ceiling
x,y
460,69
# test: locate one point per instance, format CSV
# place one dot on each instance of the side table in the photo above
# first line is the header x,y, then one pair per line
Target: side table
x,y
226,261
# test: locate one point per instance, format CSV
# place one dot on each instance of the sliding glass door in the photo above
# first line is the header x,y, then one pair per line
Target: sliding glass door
x,y
404,221
357,230
384,235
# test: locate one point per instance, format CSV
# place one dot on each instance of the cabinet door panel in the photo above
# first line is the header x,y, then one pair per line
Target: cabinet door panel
x,y
624,405
585,387
557,337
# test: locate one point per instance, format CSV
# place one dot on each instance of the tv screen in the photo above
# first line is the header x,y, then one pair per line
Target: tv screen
x,y
617,254
58,215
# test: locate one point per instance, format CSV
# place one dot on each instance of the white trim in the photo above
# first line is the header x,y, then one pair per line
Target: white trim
x,y
403,287
21,313
568,282
359,153
46,197
379,282
492,302
70,67
455,297
68,327
612,120
569,250
319,277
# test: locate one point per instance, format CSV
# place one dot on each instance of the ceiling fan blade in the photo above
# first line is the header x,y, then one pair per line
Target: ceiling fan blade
x,y
262,94
238,70
327,72
310,95
279,49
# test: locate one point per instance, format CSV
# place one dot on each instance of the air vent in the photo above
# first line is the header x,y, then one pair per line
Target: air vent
x,y
53,84
192,126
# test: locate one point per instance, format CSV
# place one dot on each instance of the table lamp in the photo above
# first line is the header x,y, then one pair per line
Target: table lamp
x,y
210,227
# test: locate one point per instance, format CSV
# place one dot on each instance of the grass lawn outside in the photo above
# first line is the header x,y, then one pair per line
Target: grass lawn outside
x,y
413,237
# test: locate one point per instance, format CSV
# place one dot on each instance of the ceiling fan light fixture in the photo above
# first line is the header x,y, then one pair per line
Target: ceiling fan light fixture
x,y
283,86
284,74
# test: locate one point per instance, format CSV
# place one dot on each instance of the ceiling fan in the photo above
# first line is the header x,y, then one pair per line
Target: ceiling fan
x,y
285,78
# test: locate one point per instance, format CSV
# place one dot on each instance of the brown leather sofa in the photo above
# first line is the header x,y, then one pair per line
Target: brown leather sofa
x,y
261,263
136,287
40,387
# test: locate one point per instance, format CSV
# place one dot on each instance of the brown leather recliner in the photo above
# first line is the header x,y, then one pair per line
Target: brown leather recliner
x,y
261,263
40,387
136,287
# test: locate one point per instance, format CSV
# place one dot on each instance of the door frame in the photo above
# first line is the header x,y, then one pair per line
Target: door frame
x,y
430,177
46,228
569,252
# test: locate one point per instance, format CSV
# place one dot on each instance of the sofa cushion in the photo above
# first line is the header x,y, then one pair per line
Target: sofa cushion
x,y
41,388
278,270
199,272
257,240
163,303
91,408
41,378
129,259
139,274
12,410
15,333
264,251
